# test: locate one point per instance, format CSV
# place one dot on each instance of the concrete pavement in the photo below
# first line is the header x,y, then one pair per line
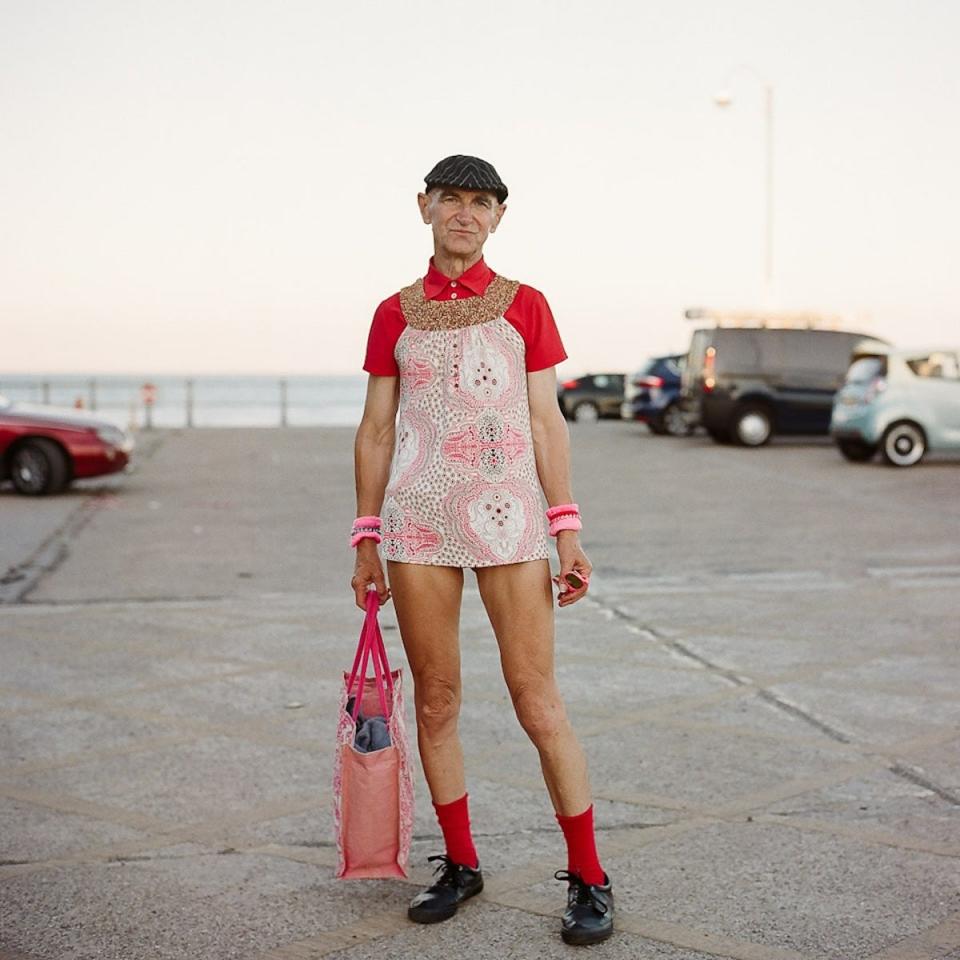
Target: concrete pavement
x,y
764,675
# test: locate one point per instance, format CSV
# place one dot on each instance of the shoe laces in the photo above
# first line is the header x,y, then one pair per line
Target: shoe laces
x,y
446,871
583,893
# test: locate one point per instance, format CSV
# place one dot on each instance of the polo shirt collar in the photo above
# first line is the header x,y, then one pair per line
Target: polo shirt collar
x,y
476,280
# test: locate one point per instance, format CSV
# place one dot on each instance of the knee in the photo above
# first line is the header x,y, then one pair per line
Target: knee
x,y
438,703
540,711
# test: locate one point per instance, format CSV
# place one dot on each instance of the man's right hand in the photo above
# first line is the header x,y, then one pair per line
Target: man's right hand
x,y
368,570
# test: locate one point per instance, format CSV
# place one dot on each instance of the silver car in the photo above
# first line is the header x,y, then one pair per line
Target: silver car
x,y
900,402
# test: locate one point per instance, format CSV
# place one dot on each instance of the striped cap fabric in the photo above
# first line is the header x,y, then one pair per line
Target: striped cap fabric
x,y
471,173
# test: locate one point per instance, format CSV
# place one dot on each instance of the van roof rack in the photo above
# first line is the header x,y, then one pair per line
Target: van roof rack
x,y
777,319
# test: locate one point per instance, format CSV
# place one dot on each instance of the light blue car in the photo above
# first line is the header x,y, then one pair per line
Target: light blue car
x,y
900,402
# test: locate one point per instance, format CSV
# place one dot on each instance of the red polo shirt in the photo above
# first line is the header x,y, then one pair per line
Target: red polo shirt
x,y
529,314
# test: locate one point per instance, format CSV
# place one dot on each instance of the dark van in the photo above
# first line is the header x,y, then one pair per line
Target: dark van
x,y
743,384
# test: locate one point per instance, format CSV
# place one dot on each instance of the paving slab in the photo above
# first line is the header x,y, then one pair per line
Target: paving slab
x,y
697,768
489,932
31,832
28,739
906,812
195,780
761,674
182,901
879,717
823,896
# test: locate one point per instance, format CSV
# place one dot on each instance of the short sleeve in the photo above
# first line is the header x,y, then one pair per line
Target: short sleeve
x,y
532,318
385,330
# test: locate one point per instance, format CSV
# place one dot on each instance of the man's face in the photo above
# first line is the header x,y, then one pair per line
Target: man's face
x,y
461,219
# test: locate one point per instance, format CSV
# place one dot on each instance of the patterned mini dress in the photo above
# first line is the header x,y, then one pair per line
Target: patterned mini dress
x,y
463,489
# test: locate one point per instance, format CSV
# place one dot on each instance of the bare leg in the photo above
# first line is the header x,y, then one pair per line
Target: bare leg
x,y
519,601
427,600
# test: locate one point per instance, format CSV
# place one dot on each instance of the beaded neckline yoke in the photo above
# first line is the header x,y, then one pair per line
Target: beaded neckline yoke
x,y
423,314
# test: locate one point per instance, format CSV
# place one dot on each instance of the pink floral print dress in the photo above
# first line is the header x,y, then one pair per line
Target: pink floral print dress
x,y
463,489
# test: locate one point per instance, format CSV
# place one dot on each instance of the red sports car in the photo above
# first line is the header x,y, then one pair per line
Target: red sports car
x,y
43,449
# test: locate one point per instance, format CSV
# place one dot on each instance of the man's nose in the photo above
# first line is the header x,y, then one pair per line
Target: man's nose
x,y
463,215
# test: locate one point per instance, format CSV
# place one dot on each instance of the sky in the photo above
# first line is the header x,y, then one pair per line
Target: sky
x,y
202,186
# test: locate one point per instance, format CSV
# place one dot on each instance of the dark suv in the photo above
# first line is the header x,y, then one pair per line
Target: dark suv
x,y
652,396
594,395
743,384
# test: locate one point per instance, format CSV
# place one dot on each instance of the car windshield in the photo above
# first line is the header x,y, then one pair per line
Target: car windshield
x,y
866,369
939,365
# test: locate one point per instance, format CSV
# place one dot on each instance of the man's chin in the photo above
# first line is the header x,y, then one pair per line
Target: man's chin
x,y
462,246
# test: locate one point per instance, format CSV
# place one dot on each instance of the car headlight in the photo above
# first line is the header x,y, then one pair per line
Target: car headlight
x,y
113,436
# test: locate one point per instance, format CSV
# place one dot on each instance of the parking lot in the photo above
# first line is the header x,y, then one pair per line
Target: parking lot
x,y
764,676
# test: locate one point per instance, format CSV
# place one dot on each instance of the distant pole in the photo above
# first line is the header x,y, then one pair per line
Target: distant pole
x,y
148,394
283,403
189,403
45,387
93,394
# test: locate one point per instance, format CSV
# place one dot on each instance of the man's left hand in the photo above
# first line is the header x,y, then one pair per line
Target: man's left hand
x,y
572,560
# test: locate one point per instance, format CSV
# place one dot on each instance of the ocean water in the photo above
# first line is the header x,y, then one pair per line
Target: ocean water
x,y
217,401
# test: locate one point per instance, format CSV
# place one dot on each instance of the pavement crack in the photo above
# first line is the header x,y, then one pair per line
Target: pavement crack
x,y
775,700
21,578
132,601
142,858
913,775
676,646
548,830
786,706
725,673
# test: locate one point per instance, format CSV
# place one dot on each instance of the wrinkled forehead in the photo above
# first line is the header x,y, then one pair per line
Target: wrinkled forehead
x,y
461,193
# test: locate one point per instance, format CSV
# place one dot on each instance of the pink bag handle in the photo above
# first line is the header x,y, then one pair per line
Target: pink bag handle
x,y
370,643
367,641
378,647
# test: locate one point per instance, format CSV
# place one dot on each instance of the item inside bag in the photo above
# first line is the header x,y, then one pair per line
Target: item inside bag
x,y
372,732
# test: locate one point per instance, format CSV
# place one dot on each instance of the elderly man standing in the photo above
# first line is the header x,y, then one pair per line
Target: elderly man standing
x,y
468,357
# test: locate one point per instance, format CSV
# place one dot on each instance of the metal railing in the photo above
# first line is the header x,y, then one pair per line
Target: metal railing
x,y
143,401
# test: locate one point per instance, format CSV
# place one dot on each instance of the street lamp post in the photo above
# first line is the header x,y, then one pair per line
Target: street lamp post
x,y
723,98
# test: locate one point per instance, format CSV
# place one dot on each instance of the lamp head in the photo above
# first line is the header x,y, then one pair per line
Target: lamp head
x,y
723,98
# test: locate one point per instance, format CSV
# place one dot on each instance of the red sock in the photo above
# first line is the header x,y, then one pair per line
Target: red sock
x,y
455,823
582,846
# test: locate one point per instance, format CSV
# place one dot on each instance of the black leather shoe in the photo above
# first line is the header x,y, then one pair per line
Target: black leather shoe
x,y
455,883
589,915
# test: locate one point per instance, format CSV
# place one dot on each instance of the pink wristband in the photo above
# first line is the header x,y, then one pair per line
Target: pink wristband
x,y
564,516
364,528
565,523
364,535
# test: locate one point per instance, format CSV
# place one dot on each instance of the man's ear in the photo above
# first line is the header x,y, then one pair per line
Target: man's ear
x,y
423,201
501,210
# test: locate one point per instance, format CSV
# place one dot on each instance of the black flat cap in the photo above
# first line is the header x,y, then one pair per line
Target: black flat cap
x,y
471,173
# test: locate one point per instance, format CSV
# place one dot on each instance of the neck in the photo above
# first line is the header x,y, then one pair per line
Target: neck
x,y
454,266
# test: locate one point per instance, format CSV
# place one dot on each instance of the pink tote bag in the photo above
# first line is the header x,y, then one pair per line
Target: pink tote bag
x,y
372,791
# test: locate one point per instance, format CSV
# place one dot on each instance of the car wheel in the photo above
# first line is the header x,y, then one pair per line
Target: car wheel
x,y
586,412
857,451
752,426
903,444
39,467
674,422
